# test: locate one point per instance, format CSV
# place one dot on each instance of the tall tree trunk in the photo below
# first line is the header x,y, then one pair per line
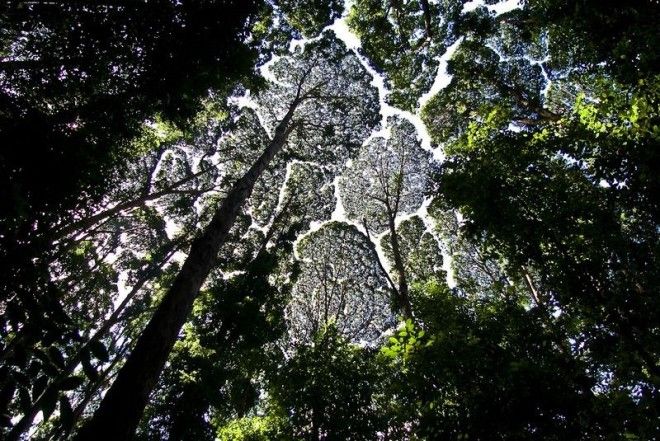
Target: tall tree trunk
x,y
271,230
404,297
426,10
380,263
121,409
533,292
315,435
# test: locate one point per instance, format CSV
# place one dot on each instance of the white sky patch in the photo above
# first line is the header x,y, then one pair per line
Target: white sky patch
x,y
122,289
280,202
505,6
432,228
340,27
497,8
265,72
179,257
231,274
441,81
244,100
339,214
472,5
442,78
377,241
171,227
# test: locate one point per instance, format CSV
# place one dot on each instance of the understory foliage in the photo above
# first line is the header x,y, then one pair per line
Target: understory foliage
x,y
214,184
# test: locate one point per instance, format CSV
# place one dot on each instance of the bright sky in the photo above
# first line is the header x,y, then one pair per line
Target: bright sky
x,y
442,80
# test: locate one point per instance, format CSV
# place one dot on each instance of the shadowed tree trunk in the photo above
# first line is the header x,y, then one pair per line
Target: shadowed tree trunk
x,y
121,409
404,297
378,261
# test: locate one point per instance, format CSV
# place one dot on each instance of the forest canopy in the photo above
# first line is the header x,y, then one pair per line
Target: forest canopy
x,y
324,220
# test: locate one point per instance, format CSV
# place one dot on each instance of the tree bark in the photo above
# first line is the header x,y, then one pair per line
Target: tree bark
x,y
380,264
121,409
533,292
404,297
426,10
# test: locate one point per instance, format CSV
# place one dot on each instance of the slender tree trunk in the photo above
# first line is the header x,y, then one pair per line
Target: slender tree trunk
x,y
380,264
271,230
426,10
404,297
557,334
532,289
315,424
121,409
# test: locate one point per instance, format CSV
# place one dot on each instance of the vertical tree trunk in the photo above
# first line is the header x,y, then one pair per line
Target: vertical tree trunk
x,y
378,261
404,297
426,10
315,435
533,292
121,409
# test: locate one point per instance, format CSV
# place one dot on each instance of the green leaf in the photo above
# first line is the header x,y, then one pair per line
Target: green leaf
x,y
56,356
48,404
66,414
98,350
387,352
89,370
71,383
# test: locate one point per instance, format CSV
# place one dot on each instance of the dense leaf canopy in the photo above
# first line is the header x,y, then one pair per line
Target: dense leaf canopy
x,y
325,220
